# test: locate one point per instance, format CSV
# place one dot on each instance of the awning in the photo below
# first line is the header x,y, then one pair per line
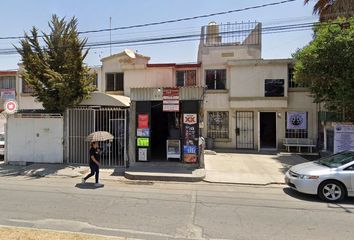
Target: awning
x,y
103,99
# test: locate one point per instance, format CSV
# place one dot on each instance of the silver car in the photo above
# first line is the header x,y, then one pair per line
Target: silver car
x,y
331,178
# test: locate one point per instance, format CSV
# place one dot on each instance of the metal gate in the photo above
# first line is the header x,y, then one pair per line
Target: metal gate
x,y
81,122
244,130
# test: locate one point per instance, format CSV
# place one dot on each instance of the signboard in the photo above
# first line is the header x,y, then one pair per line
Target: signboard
x,y
10,106
143,121
190,158
142,142
170,99
143,132
142,154
343,137
190,119
8,94
190,149
296,120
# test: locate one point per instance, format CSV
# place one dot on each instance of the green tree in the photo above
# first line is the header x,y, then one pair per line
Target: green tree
x,y
56,70
327,64
332,9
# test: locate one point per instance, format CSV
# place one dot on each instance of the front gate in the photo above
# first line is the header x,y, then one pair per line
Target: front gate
x,y
244,130
81,122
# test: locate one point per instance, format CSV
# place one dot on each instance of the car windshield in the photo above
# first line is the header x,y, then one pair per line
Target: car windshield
x,y
337,160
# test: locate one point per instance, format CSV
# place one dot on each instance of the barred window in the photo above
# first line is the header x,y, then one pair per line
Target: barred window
x,y
7,82
186,78
296,133
218,124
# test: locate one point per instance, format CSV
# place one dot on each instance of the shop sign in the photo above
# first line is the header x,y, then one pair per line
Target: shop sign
x,y
296,120
143,121
8,94
187,149
170,99
142,142
343,137
142,154
143,132
190,119
190,158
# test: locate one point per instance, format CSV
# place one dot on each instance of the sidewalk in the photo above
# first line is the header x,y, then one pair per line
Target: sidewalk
x,y
249,168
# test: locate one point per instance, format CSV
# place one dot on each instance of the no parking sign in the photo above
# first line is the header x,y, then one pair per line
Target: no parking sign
x,y
10,106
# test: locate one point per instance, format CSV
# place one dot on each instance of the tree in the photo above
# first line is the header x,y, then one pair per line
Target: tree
x,y
327,64
56,71
332,9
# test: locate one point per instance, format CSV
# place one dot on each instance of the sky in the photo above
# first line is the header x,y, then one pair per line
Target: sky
x,y
18,16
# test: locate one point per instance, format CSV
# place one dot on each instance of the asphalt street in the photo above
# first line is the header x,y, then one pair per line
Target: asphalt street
x,y
158,210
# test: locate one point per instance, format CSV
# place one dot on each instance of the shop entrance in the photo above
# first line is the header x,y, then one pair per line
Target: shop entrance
x,y
164,126
268,133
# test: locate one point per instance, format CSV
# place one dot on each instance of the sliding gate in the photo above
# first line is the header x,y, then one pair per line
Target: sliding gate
x,y
81,122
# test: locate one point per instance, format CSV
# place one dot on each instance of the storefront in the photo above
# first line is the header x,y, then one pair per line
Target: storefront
x,y
165,124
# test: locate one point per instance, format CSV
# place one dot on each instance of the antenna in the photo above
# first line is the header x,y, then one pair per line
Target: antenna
x,y
110,36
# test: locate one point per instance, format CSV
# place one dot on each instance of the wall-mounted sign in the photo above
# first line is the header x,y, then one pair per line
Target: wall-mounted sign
x,y
190,158
142,154
187,149
8,94
190,118
143,132
143,121
142,142
343,137
170,99
10,106
296,120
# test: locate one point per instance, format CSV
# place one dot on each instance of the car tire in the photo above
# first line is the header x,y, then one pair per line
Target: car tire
x,y
332,191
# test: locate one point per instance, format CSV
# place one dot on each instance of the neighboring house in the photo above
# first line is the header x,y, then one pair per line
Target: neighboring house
x,y
249,100
7,86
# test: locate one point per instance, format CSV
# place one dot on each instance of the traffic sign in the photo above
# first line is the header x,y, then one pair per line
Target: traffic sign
x,y
11,106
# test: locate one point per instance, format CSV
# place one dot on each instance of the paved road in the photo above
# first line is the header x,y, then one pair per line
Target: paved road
x,y
172,210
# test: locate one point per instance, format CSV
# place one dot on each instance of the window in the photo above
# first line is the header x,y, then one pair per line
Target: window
x,y
215,79
296,133
26,88
115,82
218,124
7,82
186,78
274,88
291,82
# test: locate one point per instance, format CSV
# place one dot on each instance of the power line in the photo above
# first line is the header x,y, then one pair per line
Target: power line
x,y
171,21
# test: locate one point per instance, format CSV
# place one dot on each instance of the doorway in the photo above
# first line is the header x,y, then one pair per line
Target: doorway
x,y
244,130
268,132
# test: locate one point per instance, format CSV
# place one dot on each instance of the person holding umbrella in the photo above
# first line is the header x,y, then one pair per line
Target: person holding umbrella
x,y
94,164
94,154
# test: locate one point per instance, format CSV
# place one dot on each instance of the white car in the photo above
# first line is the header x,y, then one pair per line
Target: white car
x,y
2,144
331,178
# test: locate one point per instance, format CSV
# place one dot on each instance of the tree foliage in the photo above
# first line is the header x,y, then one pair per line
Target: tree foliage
x,y
332,9
327,64
56,70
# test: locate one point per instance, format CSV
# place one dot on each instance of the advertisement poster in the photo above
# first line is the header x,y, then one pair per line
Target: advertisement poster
x,y
170,99
8,94
190,158
190,149
190,119
143,121
142,154
296,120
142,142
343,137
143,132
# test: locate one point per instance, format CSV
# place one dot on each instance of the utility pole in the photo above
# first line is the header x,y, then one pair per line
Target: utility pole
x,y
110,36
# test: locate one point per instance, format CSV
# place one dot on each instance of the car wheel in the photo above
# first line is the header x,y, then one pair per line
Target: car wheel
x,y
331,191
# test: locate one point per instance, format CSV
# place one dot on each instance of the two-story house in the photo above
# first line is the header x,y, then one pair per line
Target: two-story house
x,y
250,102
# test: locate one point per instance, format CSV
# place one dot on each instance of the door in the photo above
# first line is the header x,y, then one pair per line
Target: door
x,y
268,132
244,130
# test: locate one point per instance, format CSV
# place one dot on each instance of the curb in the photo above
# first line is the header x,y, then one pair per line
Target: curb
x,y
132,176
245,184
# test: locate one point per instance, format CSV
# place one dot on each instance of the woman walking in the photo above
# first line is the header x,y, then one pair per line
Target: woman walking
x,y
94,164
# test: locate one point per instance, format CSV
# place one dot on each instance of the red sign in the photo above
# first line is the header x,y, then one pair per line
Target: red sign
x,y
10,106
143,121
170,99
190,119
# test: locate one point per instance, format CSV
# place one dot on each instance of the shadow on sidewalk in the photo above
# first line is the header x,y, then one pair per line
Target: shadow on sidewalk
x,y
87,186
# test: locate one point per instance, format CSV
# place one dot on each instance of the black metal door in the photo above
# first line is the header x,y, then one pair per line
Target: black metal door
x,y
244,130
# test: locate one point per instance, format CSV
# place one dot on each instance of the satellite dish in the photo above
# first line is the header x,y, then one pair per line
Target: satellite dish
x,y
130,53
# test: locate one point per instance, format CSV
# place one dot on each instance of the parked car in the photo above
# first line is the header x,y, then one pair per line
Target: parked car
x,y
2,144
331,178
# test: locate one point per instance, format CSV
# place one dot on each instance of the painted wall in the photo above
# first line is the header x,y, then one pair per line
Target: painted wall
x,y
38,140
